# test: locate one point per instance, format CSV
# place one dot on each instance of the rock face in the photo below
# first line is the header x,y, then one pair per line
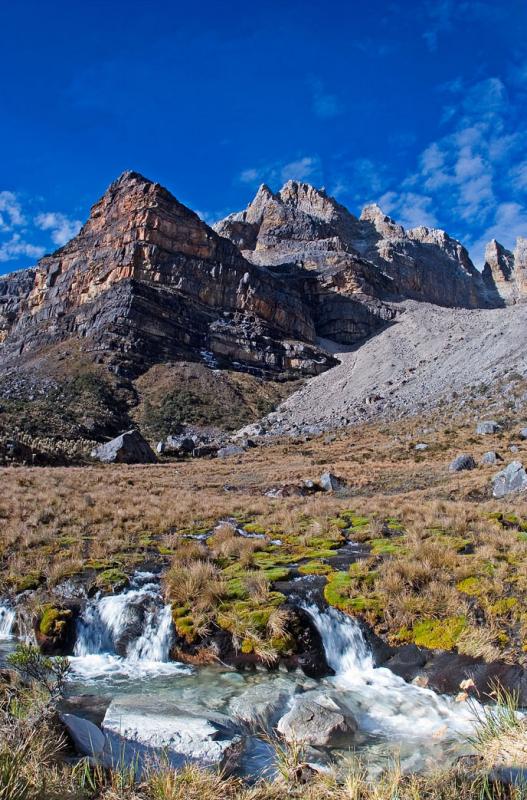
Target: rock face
x,y
128,448
147,281
505,272
366,260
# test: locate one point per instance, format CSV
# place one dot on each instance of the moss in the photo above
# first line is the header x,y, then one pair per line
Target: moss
x,y
471,586
24,583
277,574
439,634
112,579
339,592
387,547
247,646
53,620
503,607
315,568
254,527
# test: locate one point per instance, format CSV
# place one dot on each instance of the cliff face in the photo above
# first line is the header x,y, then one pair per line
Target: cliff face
x,y
378,257
146,280
506,272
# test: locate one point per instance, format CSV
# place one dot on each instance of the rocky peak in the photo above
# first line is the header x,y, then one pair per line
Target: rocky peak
x,y
506,272
383,224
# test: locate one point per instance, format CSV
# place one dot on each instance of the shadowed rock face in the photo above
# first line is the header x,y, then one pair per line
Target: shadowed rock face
x,y
146,280
505,272
373,257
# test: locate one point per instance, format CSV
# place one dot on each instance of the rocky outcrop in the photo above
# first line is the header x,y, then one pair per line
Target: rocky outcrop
x,y
147,281
128,448
505,272
368,259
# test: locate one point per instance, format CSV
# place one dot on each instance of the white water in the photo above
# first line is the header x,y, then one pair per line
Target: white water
x,y
7,621
383,703
139,617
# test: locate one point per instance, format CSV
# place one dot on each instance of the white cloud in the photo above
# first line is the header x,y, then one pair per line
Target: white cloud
x,y
519,176
16,247
10,211
62,227
306,168
409,209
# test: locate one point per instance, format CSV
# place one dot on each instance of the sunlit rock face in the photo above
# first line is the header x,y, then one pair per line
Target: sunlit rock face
x,y
146,280
381,260
506,271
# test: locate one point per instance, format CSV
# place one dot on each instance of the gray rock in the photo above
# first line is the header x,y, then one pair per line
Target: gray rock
x,y
421,446
491,457
128,448
487,427
203,738
514,448
230,450
262,704
88,739
511,479
523,433
316,719
462,462
330,483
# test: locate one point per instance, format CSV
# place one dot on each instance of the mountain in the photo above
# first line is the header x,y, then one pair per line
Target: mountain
x,y
368,257
506,272
148,313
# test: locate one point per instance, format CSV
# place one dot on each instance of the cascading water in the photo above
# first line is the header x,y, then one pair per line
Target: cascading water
x,y
7,621
383,703
131,632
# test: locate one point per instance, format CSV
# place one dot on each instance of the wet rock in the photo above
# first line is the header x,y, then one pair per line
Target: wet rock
x,y
55,629
487,427
128,448
91,707
510,480
407,661
88,739
204,738
263,704
462,462
317,719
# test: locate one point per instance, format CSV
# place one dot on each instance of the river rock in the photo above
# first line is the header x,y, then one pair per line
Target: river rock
x,y
316,719
206,739
88,739
128,448
262,704
511,479
462,462
487,427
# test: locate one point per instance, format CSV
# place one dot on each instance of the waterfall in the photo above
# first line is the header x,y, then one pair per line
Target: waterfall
x,y
131,632
383,702
7,621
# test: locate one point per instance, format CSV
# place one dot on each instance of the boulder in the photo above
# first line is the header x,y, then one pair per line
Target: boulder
x,y
317,719
510,480
204,738
128,448
88,739
230,450
462,462
523,433
262,704
491,457
331,483
487,427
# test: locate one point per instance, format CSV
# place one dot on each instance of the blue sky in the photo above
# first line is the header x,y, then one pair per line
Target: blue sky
x,y
419,106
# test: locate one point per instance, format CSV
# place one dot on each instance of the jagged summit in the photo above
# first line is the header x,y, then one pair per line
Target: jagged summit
x,y
506,271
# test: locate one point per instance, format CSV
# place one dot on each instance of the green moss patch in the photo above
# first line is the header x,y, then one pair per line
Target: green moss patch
x,y
438,634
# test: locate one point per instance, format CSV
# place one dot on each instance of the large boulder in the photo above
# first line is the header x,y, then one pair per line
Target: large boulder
x,y
487,427
331,483
317,719
128,448
510,480
204,738
462,462
263,703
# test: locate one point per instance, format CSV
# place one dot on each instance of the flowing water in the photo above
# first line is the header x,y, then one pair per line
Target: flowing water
x,y
123,648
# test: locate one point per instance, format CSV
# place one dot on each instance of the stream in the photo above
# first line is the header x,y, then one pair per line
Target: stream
x,y
122,654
